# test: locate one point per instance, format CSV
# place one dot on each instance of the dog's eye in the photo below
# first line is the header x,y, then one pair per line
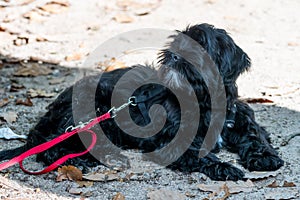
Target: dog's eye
x,y
175,57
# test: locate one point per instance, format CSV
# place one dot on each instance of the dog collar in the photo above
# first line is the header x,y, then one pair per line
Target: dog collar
x,y
154,94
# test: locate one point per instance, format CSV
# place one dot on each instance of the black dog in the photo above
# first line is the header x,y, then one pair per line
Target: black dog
x,y
240,132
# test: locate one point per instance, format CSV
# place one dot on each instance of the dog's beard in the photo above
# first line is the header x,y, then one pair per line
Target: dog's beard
x,y
173,79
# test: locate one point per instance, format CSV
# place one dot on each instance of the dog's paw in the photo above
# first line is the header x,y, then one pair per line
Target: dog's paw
x,y
264,163
223,171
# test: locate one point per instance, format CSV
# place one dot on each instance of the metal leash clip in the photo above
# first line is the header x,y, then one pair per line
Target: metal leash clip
x,y
80,125
113,111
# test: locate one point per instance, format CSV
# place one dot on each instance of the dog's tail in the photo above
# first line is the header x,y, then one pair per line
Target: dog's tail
x,y
11,153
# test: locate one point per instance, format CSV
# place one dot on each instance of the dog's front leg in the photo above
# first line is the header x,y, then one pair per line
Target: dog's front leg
x,y
209,165
251,142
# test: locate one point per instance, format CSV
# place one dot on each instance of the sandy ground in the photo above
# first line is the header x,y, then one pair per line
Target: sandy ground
x,y
64,36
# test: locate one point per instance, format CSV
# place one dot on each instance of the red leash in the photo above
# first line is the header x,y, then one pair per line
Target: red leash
x,y
75,130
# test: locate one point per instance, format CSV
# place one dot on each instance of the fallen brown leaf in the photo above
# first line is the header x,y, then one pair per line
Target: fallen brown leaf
x,y
73,57
227,193
32,69
164,194
39,93
101,177
16,87
4,102
85,183
190,195
41,39
119,196
36,15
55,7
26,102
257,100
69,173
10,116
57,81
273,185
75,191
288,184
21,40
138,7
293,44
234,187
2,29
112,64
25,2
123,18
210,1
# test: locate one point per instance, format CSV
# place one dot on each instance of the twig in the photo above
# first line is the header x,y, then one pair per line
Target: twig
x,y
289,138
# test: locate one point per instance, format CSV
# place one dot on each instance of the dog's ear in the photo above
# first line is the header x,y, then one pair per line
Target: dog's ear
x,y
240,62
230,59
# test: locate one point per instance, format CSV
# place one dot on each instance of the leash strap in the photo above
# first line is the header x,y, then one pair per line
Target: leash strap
x,y
156,93
45,146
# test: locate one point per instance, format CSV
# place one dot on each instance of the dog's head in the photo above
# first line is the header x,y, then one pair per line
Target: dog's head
x,y
229,58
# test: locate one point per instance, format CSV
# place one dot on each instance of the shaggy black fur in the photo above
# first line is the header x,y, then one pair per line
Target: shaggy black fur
x,y
245,137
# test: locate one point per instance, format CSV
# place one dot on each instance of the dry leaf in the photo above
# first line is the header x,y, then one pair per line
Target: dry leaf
x,y
101,177
75,191
32,69
260,175
73,57
164,194
210,1
57,81
25,2
226,194
2,29
85,183
257,100
69,173
4,102
87,194
10,116
41,39
273,185
39,93
8,134
26,102
111,64
36,15
123,18
21,40
16,87
138,7
234,187
288,184
190,195
293,44
119,196
55,7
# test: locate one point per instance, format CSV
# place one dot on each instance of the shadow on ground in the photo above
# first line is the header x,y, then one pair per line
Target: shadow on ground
x,y
280,121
